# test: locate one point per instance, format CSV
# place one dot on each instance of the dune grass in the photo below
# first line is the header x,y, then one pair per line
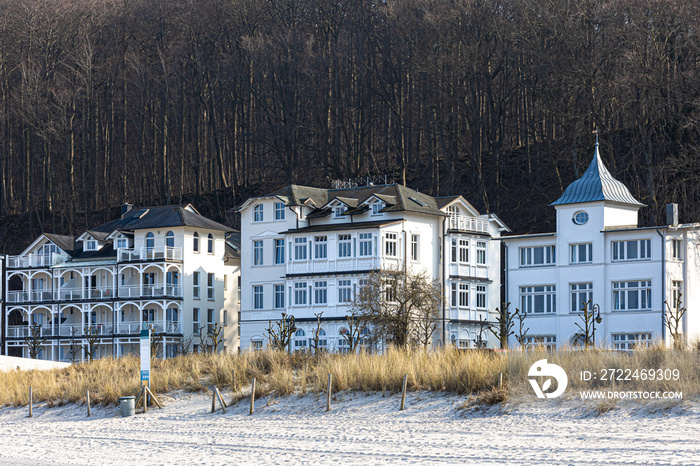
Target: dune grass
x,y
460,372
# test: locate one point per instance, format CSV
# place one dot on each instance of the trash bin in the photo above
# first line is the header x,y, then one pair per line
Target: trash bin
x,y
127,405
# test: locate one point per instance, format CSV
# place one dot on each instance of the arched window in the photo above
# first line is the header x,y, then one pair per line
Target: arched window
x,y
170,239
343,335
150,240
210,243
195,242
322,343
299,340
258,213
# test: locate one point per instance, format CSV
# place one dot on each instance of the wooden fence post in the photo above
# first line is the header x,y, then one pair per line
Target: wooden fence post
x,y
233,379
500,379
145,399
252,397
30,402
403,392
330,385
87,399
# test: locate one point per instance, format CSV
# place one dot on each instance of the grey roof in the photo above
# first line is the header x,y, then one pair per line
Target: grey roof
x,y
160,217
597,184
65,242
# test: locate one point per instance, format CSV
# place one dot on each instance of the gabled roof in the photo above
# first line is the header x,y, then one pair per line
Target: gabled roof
x,y
160,217
597,184
65,242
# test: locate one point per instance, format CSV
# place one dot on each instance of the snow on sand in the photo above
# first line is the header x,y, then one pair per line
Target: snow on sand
x,y
10,363
360,429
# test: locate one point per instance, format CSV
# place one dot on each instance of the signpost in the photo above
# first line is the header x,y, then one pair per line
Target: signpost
x,y
146,359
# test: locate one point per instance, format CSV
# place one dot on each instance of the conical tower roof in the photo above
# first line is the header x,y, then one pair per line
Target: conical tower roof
x,y
597,184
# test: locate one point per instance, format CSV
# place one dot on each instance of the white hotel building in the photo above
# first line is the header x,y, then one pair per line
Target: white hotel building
x,y
306,251
599,253
167,268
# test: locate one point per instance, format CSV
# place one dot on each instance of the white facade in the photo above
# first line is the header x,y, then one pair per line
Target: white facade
x,y
164,268
629,272
305,251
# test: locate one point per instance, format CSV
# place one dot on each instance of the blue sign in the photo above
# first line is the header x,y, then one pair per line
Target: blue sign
x,y
145,375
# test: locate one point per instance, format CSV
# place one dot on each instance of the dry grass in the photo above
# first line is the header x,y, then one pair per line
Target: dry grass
x,y
278,373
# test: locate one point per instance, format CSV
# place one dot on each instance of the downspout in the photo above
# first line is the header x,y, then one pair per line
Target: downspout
x,y
504,292
443,273
663,284
2,297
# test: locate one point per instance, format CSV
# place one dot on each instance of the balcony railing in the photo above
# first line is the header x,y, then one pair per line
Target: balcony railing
x,y
103,329
460,223
36,296
150,254
333,265
150,291
465,270
35,260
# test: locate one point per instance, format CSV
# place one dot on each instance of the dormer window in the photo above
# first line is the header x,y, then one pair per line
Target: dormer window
x,y
91,245
377,207
338,211
122,242
258,213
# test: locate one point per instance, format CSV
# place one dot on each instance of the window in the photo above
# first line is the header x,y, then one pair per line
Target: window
x,y
632,296
279,296
320,292
481,297
628,341
320,247
256,345
258,213
365,244
150,240
344,246
239,288
545,342
377,207
195,242
415,247
580,293
338,211
322,343
453,295
453,256
677,246
390,248
210,243
225,323
210,286
464,295
344,291
536,256
538,299
299,340
676,294
257,297
279,251
464,251
300,249
122,242
195,320
632,250
300,293
279,211
481,252
258,252
580,218
210,320
343,338
170,239
195,285
581,253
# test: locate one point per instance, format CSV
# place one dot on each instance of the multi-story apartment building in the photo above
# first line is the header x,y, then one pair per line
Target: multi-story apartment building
x,y
306,251
599,254
165,268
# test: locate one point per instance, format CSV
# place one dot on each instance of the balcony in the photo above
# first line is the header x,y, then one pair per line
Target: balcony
x,y
471,224
22,296
150,291
164,253
35,260
466,270
102,329
334,265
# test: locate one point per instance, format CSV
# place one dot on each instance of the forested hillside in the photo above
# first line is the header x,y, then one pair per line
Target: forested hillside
x,y
211,101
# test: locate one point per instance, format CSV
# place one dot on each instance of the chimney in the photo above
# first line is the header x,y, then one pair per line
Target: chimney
x,y
126,208
672,214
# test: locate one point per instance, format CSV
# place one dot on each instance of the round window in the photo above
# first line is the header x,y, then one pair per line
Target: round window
x,y
580,218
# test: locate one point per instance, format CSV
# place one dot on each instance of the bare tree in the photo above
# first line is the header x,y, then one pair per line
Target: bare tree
x,y
521,336
505,320
92,338
280,337
589,316
157,349
35,341
355,331
316,334
74,349
673,321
